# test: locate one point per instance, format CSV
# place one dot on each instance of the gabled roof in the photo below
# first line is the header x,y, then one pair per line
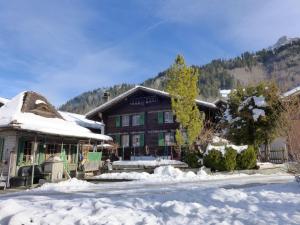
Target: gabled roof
x,y
294,91
143,88
31,111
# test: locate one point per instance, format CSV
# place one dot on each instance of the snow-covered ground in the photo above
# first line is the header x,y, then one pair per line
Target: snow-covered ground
x,y
150,163
252,199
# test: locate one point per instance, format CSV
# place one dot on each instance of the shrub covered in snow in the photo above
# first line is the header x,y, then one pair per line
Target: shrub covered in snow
x,y
247,159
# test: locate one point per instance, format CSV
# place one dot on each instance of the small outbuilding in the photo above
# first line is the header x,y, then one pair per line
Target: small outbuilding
x,y
32,131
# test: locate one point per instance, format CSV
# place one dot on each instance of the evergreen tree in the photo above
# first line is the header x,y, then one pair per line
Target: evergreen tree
x,y
254,114
182,86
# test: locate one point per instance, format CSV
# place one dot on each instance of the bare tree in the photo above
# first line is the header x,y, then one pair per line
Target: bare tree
x,y
290,126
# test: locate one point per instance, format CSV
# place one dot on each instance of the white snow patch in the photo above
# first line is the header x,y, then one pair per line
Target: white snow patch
x,y
256,113
217,139
260,101
225,92
38,102
152,163
222,148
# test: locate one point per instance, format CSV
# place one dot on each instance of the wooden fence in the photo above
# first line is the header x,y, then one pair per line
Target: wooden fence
x,y
276,156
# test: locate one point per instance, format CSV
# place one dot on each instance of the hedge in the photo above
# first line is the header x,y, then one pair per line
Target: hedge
x,y
247,159
231,160
213,160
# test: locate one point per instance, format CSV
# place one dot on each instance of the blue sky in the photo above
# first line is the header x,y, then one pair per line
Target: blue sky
x,y
62,48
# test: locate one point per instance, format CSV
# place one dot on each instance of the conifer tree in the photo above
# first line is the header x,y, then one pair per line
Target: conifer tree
x,y
254,115
182,85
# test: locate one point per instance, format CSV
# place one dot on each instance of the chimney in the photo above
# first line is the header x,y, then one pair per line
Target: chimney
x,y
106,97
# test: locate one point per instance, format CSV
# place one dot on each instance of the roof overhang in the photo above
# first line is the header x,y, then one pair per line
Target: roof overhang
x,y
119,98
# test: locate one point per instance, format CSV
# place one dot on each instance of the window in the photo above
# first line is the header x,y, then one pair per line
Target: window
x,y
27,151
135,120
125,121
168,117
125,140
136,140
117,121
169,139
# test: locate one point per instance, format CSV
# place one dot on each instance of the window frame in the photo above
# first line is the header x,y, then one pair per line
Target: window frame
x,y
136,144
168,117
171,138
137,117
127,120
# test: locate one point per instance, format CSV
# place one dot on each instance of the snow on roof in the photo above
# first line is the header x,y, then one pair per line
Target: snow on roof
x,y
3,100
292,92
81,120
136,88
12,116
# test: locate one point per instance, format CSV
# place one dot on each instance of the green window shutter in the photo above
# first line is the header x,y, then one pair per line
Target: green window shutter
x,y
41,153
142,140
20,155
118,121
1,148
142,119
161,139
94,156
160,117
118,139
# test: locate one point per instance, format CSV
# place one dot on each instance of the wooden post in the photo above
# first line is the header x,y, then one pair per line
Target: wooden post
x,y
33,159
76,160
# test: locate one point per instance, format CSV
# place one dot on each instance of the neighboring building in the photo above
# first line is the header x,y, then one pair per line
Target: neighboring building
x,y
142,123
29,123
3,101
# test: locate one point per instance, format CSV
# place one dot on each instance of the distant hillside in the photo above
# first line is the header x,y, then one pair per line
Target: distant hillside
x,y
280,63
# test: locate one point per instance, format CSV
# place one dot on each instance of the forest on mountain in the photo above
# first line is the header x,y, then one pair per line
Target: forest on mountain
x,y
281,64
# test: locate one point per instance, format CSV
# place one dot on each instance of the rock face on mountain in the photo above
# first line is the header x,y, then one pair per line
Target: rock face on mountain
x,y
280,63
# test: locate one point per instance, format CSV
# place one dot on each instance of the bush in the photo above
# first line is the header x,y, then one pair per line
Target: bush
x,y
213,160
192,159
247,159
229,159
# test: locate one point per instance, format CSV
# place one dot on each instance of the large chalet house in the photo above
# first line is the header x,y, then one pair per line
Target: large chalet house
x,y
141,122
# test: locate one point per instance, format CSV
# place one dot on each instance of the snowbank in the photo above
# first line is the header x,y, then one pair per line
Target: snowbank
x,y
167,174
65,186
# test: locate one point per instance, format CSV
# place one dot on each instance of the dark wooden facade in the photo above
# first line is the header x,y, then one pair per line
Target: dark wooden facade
x,y
156,131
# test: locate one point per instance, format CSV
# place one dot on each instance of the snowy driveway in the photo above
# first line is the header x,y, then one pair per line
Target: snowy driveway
x,y
255,199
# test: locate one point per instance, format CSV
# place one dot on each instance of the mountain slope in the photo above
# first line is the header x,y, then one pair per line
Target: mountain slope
x,y
280,63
